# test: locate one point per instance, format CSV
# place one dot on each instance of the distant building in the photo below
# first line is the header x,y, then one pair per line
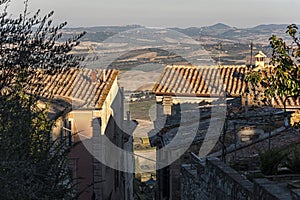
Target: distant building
x,y
260,59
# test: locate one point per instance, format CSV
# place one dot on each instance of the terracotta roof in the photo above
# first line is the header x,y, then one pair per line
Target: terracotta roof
x,y
83,88
202,81
290,102
207,81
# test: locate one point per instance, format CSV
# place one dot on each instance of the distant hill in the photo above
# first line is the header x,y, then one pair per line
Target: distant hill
x,y
269,27
218,31
219,26
223,43
214,30
98,33
222,31
104,28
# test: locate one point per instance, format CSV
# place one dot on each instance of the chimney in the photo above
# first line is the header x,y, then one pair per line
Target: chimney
x,y
167,105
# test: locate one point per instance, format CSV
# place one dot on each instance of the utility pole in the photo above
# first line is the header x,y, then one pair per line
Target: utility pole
x,y
251,52
220,46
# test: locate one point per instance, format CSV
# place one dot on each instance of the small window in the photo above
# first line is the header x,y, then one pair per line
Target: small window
x,y
67,132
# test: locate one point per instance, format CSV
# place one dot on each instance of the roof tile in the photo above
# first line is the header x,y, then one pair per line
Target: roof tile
x,y
85,85
199,81
210,81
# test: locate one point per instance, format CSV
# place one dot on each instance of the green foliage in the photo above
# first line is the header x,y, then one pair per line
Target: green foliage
x,y
284,78
254,78
293,161
287,157
271,159
24,128
32,166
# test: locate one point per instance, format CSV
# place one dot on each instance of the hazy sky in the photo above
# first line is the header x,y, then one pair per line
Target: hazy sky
x,y
168,13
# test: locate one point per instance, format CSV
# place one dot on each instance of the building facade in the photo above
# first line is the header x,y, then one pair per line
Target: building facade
x,y
87,105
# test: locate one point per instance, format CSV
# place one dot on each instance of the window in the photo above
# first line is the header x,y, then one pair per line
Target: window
x,y
67,132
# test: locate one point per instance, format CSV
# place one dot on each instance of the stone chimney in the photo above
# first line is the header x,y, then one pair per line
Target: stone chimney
x,y
167,104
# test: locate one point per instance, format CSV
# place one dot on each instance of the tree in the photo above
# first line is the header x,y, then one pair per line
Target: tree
x,y
284,78
32,166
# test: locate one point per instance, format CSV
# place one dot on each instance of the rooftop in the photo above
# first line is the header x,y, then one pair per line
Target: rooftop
x,y
211,81
260,54
201,81
82,88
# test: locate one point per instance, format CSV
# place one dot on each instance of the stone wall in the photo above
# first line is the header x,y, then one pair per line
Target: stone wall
x,y
214,180
266,189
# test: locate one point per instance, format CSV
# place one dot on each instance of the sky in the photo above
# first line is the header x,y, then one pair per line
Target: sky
x,y
167,13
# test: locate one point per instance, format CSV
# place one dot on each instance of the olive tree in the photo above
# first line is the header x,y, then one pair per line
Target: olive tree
x,y
32,166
